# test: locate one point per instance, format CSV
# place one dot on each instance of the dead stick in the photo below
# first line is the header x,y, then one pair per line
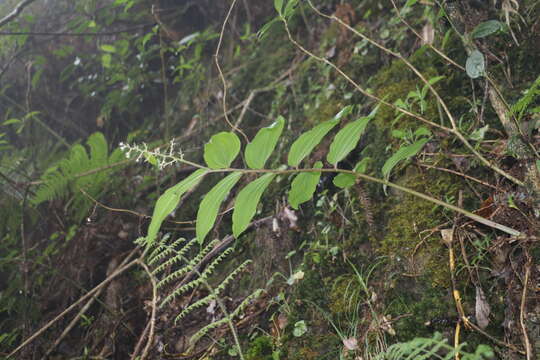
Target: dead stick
x,y
528,347
72,323
152,321
140,341
74,305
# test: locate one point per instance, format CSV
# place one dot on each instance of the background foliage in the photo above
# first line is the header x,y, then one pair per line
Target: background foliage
x,y
441,98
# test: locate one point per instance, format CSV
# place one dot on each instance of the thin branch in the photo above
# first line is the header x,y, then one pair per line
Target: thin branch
x,y
459,174
439,52
18,9
11,61
154,307
448,240
499,103
72,323
135,353
453,130
83,298
61,34
528,345
409,191
270,87
216,58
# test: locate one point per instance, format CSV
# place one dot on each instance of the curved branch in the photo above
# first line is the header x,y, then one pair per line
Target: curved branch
x,y
18,9
57,34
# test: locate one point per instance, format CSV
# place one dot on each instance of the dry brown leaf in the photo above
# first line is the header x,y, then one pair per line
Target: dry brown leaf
x,y
282,321
447,236
428,34
482,308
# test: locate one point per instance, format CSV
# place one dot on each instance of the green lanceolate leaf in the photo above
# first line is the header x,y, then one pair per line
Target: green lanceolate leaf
x,y
486,28
475,64
264,143
209,207
344,180
278,5
346,140
247,201
289,8
221,150
261,34
303,186
303,146
402,154
108,48
168,201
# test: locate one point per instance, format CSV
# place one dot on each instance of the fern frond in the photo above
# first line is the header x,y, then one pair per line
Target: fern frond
x,y
432,348
526,100
65,177
232,275
179,256
175,255
162,250
183,270
202,332
196,305
203,277
215,293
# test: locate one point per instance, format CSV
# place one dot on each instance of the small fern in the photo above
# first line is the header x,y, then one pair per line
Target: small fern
x,y
170,261
530,95
236,312
432,348
67,176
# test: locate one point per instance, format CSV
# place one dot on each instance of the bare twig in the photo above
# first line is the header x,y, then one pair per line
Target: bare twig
x,y
137,349
162,70
449,239
458,173
454,127
18,9
495,95
25,267
152,321
72,323
417,34
10,61
522,308
83,298
74,34
270,87
216,58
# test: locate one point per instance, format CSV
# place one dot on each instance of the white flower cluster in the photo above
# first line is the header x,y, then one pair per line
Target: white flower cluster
x,y
156,157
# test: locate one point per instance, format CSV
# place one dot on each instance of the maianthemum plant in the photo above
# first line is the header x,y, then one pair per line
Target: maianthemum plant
x,y
224,147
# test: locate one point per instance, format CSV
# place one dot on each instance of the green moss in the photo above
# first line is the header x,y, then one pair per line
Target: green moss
x,y
325,111
313,347
396,82
260,349
344,296
311,288
411,220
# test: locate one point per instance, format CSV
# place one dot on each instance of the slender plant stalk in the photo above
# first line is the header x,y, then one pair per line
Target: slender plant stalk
x,y
420,195
222,77
453,130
